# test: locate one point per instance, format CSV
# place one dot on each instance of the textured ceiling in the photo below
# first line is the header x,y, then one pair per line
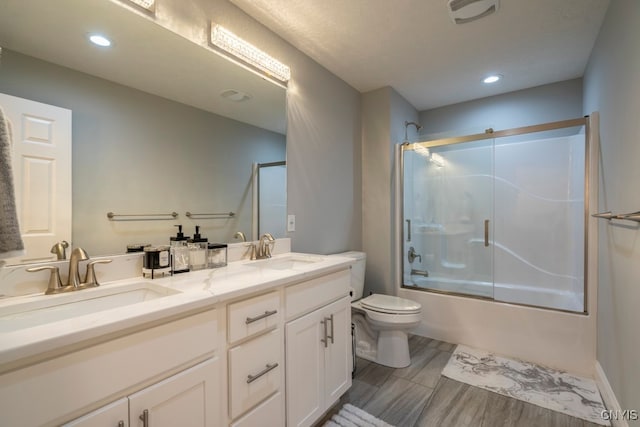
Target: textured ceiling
x,y
413,46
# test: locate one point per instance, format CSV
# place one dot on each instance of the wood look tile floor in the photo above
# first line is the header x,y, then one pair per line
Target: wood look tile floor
x,y
419,396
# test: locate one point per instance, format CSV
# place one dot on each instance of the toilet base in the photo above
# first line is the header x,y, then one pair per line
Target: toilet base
x,y
393,349
385,347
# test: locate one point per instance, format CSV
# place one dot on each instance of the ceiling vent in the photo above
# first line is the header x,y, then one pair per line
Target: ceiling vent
x,y
465,11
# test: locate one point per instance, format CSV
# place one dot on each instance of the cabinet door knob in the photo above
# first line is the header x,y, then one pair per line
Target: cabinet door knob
x,y
145,418
121,423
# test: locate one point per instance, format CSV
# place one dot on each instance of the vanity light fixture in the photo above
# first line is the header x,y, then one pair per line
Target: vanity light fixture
x,y
99,40
248,53
492,78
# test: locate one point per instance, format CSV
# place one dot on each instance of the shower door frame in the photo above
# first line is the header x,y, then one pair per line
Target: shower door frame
x,y
491,134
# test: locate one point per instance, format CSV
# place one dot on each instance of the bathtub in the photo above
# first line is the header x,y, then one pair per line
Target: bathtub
x,y
503,292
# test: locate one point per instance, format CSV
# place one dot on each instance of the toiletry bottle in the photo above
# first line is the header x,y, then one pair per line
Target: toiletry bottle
x,y
197,251
179,252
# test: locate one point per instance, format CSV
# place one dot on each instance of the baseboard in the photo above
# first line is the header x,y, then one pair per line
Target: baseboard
x,y
608,396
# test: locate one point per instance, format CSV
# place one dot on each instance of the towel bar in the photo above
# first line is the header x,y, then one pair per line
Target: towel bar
x,y
141,217
210,215
633,216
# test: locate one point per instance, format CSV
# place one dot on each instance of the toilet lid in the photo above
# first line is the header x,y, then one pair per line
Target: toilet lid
x,y
390,304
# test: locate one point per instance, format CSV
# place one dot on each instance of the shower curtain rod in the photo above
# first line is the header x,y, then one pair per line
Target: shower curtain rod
x,y
490,133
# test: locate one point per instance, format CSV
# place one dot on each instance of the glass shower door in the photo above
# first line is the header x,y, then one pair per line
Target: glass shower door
x,y
540,219
448,216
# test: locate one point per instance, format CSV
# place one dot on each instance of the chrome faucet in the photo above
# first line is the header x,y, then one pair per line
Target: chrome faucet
x,y
264,246
77,255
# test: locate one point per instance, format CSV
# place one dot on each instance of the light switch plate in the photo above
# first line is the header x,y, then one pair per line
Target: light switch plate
x,y
291,223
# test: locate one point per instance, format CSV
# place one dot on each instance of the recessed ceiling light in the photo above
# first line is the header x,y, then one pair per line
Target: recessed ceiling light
x,y
492,78
99,40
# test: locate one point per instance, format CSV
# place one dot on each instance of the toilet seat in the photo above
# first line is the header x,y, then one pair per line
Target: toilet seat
x,y
390,305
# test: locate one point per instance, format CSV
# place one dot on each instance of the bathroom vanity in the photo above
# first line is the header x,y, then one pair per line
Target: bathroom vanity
x,y
234,346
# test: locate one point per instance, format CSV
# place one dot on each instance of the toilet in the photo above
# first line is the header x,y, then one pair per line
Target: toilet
x,y
381,321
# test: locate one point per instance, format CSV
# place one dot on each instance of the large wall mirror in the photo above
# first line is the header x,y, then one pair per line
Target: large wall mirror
x,y
152,130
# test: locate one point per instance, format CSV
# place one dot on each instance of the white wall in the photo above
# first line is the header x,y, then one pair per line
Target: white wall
x,y
384,112
611,85
542,104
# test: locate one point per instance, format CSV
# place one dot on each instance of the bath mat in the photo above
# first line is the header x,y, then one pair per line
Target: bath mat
x,y
350,416
541,386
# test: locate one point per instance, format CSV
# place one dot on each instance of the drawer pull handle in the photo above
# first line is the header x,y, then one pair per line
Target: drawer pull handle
x,y
268,368
260,317
145,418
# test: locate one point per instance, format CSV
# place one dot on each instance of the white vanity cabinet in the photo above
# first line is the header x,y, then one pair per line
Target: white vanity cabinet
x,y
173,370
318,346
189,398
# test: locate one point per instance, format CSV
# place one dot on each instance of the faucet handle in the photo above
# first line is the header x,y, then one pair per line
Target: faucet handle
x,y
90,280
55,284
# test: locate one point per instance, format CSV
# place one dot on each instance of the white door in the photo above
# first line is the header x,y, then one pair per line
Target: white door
x,y
42,174
305,370
188,399
338,360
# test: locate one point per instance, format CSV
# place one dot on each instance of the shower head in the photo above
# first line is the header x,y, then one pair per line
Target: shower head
x,y
406,127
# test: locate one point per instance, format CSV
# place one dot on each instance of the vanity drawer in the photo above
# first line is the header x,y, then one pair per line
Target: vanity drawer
x,y
270,412
254,315
255,371
307,296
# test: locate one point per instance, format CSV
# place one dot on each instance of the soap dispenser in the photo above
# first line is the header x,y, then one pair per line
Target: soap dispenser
x,y
179,252
198,251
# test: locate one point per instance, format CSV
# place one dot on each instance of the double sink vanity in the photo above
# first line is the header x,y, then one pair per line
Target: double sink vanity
x,y
256,343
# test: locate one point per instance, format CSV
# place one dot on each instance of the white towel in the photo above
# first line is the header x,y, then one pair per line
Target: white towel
x,y
351,416
10,240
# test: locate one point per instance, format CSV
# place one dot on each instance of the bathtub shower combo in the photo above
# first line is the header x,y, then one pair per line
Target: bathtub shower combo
x,y
500,215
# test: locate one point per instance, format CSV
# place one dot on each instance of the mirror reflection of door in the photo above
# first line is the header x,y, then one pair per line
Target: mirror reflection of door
x,y
42,174
271,195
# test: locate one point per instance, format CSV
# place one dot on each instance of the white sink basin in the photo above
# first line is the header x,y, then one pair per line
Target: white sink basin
x,y
27,312
294,262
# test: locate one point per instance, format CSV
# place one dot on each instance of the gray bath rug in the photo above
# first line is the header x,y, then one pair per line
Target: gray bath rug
x,y
350,416
545,387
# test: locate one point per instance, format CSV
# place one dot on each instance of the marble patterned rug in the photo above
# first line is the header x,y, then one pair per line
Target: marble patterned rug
x,y
549,388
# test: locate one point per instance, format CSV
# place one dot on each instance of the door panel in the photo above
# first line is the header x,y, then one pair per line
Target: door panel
x,y
448,213
42,174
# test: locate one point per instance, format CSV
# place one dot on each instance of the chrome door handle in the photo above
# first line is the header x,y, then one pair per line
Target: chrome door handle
x,y
325,340
408,230
260,317
145,418
486,232
268,368
330,336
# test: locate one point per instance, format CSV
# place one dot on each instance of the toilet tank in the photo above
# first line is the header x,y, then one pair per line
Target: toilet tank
x,y
357,272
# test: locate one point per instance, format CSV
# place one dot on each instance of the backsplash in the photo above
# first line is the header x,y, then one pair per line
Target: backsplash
x,y
16,281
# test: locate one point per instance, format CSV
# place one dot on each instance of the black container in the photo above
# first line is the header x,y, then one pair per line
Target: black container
x,y
156,261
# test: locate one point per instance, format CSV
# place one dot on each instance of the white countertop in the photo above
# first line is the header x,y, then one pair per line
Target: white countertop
x,y
199,290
